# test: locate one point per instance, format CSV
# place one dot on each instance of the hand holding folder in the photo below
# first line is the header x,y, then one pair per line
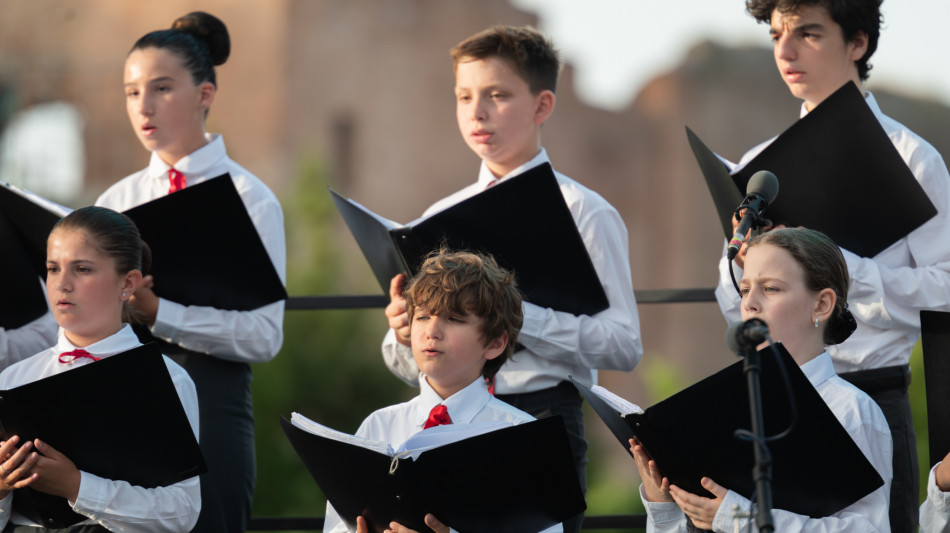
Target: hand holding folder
x,y
522,221
130,426
514,479
690,439
839,173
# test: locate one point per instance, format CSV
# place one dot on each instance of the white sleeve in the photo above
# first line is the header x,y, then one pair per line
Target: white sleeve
x,y
332,523
120,506
935,511
726,295
663,517
609,340
251,336
28,339
398,358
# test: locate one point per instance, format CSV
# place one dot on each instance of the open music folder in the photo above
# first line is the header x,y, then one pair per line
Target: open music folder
x,y
514,479
838,173
25,221
522,221
119,418
817,469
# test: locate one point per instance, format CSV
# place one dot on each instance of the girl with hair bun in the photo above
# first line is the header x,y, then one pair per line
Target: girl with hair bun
x,y
94,260
796,281
170,85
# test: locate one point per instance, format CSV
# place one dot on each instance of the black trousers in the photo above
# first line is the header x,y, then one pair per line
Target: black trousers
x,y
561,400
888,387
226,438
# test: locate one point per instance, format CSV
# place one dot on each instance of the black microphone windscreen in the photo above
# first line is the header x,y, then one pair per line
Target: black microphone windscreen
x,y
765,183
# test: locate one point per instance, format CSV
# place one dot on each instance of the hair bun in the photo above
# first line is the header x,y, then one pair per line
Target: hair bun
x,y
840,327
210,30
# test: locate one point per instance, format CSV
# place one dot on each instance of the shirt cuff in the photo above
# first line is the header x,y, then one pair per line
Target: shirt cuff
x,y
661,512
732,503
533,323
169,314
937,497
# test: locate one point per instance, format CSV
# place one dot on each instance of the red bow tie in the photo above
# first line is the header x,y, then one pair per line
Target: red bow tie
x,y
69,357
438,416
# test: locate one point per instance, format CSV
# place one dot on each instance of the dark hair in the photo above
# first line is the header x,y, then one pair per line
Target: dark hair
x,y
853,16
532,55
199,39
825,268
469,283
114,235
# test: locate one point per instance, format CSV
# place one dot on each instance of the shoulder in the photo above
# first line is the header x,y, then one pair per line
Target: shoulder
x,y
852,406
123,194
26,371
919,154
249,186
499,411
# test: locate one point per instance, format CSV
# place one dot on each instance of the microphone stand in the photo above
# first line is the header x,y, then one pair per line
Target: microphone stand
x,y
762,471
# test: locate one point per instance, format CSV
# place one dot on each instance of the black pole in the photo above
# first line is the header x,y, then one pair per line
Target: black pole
x,y
762,471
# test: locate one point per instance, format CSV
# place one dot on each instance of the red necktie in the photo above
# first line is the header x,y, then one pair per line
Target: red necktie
x,y
490,183
176,180
439,415
69,357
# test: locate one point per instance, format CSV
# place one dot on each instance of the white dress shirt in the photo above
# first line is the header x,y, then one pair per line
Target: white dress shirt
x,y
558,344
28,339
935,511
396,423
244,336
863,420
889,290
116,505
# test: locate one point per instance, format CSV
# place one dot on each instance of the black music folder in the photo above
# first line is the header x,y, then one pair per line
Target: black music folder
x,y
25,222
119,418
523,222
206,250
817,469
935,344
514,479
838,173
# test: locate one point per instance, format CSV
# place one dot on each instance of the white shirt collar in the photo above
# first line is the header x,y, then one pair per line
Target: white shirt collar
x,y
462,406
124,340
485,175
819,369
195,163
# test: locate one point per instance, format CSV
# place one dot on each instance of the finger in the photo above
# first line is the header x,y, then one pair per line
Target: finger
x,y
395,286
718,490
435,525
361,526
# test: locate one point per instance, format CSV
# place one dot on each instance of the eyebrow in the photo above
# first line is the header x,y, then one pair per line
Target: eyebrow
x,y
156,80
812,26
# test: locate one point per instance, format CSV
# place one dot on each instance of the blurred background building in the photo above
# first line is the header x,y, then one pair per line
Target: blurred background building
x,y
357,95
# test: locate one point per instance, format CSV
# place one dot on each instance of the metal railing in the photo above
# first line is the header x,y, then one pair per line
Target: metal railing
x,y
591,522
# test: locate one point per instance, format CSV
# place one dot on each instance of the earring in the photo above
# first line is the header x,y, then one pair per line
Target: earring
x,y
816,322
123,295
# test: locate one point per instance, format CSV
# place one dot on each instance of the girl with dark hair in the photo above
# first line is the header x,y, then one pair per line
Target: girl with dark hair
x,y
796,281
170,85
94,260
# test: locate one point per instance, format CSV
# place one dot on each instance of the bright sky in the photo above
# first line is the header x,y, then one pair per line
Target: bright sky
x,y
618,45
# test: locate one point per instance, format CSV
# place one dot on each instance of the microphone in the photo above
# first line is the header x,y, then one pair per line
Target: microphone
x,y
743,336
760,192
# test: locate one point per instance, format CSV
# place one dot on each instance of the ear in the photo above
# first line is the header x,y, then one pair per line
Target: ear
x,y
543,106
825,304
206,92
496,346
131,282
859,46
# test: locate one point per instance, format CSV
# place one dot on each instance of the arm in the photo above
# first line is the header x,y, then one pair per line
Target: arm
x,y
889,290
935,511
726,294
31,338
252,336
610,339
397,353
120,506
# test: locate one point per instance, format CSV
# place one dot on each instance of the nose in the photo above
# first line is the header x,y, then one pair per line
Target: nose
x,y
785,48
144,105
434,328
750,303
479,109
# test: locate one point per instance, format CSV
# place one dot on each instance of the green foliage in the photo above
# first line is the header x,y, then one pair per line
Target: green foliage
x,y
329,369
918,406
